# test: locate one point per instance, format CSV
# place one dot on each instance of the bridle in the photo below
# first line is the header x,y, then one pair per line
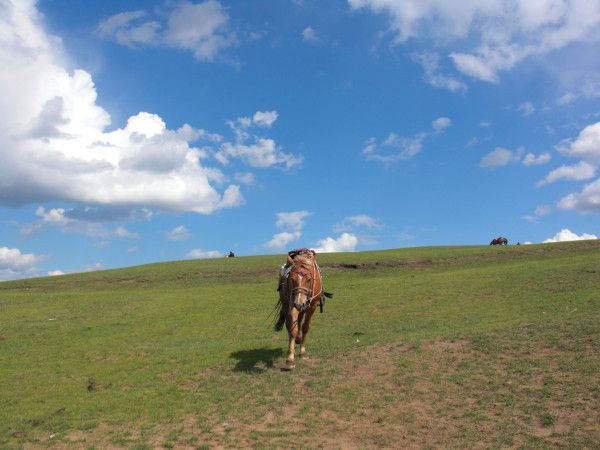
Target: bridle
x,y
307,291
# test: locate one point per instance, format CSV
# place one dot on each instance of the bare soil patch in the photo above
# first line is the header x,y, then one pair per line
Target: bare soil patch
x,y
495,390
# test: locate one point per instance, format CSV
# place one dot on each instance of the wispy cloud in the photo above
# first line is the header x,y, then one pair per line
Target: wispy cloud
x,y
526,108
358,221
500,157
396,148
292,224
198,253
201,28
179,233
310,35
484,39
68,220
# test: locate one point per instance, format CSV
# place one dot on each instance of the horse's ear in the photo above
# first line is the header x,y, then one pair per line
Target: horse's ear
x,y
290,261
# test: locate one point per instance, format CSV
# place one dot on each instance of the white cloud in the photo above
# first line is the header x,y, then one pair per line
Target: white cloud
x,y
310,35
13,259
202,28
260,154
586,146
203,254
586,201
566,235
179,233
363,220
526,108
15,264
346,242
396,148
292,223
499,157
79,221
123,232
265,118
254,150
492,36
433,74
128,28
93,267
280,240
54,144
588,89
291,220
244,178
531,159
55,273
408,147
357,221
541,210
441,123
580,171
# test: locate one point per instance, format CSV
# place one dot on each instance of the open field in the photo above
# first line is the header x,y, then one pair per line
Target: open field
x,y
428,347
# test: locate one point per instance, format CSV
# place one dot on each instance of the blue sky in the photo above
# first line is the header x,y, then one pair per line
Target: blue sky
x,y
137,132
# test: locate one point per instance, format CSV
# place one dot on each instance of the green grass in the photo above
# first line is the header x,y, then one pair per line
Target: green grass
x,y
166,354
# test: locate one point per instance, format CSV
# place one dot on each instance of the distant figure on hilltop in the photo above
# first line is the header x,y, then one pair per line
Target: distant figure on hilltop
x,y
499,241
231,254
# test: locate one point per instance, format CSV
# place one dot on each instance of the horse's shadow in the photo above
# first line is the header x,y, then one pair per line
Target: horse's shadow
x,y
256,360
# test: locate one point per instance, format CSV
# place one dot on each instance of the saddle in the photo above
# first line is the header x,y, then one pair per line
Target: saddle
x,y
301,251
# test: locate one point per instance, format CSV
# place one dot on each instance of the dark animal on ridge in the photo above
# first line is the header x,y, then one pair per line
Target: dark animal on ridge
x,y
499,241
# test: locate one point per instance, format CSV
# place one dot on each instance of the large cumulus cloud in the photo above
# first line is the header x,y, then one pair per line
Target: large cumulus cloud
x,y
54,142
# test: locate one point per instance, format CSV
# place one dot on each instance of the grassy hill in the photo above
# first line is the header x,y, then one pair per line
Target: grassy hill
x,y
442,346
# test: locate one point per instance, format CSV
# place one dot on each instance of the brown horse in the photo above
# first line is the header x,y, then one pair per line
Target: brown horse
x,y
499,241
300,291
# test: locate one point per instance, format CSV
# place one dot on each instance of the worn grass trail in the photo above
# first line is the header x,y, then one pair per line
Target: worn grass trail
x,y
446,346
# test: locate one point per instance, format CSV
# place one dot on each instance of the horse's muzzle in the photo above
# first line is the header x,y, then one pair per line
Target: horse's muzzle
x,y
297,294
301,307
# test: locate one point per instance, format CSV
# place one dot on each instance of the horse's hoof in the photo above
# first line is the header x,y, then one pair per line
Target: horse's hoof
x,y
289,365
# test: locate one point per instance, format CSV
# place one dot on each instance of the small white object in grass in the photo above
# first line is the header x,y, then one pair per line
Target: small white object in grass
x,y
52,436
52,319
357,340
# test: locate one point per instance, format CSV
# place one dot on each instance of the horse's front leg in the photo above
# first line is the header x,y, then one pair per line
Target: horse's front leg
x,y
299,335
291,323
305,327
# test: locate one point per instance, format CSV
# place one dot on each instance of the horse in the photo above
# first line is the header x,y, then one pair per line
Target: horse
x,y
300,291
499,241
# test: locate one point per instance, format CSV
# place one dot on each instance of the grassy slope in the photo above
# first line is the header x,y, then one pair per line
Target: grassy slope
x,y
190,343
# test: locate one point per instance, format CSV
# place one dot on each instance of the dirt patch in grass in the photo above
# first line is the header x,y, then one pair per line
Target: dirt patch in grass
x,y
405,264
507,389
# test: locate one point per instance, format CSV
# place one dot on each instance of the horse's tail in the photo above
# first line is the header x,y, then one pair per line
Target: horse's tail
x,y
281,319
328,294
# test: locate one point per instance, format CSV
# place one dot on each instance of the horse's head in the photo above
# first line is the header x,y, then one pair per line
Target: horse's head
x,y
301,282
